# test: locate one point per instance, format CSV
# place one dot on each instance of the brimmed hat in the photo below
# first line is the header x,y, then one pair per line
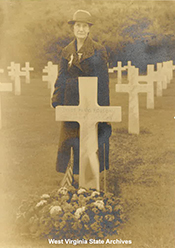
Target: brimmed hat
x,y
81,16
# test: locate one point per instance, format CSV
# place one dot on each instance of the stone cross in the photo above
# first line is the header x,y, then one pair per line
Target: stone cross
x,y
17,75
169,66
27,70
47,70
133,88
11,73
172,68
4,87
159,79
119,70
149,79
128,66
166,78
88,113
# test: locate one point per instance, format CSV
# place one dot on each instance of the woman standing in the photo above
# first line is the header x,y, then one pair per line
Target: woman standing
x,y
83,57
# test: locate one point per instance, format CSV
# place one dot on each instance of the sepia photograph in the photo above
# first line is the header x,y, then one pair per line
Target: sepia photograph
x,y
87,123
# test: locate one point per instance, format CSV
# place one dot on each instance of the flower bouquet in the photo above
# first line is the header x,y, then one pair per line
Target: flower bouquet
x,y
70,212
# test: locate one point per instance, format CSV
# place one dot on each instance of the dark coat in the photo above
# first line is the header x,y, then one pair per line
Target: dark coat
x,y
93,62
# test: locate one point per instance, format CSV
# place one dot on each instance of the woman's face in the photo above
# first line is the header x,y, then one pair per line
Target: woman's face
x,y
81,30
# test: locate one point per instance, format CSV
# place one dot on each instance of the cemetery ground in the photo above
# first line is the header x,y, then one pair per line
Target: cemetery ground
x,y
141,166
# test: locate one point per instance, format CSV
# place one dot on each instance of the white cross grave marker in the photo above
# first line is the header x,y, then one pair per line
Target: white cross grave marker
x,y
47,70
17,75
159,79
165,75
4,87
27,69
133,88
170,69
119,70
150,86
11,73
88,113
128,66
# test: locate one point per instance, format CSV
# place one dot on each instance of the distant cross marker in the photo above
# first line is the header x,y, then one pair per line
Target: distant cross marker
x,y
17,75
128,67
48,70
165,75
88,113
133,88
4,87
171,67
159,77
119,70
11,69
150,84
27,70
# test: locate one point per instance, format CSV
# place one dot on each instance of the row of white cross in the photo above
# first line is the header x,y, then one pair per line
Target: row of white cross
x,y
15,72
162,76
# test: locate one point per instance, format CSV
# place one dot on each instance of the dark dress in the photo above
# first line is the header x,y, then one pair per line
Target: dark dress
x,y
90,60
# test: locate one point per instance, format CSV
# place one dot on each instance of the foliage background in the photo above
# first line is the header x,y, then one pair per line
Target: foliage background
x,y
36,30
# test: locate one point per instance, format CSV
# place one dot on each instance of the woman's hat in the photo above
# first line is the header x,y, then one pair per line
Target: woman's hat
x,y
81,16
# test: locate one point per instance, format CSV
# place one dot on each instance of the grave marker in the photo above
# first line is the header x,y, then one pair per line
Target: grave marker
x,y
159,77
17,75
171,67
4,87
27,69
133,88
120,69
128,66
88,113
165,75
150,86
11,73
47,70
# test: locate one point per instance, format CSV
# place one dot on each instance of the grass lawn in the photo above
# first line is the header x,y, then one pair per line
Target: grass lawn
x,y
141,166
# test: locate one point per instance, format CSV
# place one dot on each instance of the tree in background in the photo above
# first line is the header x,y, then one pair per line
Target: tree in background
x,y
36,31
